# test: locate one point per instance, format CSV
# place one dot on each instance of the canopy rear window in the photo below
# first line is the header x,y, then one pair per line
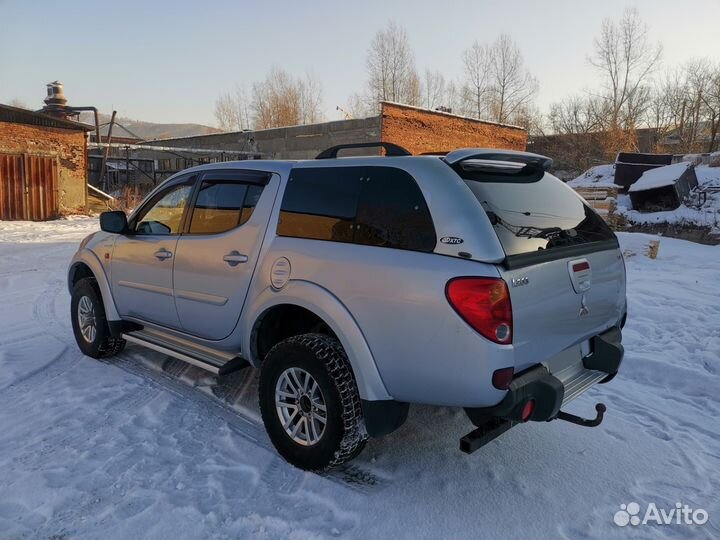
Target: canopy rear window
x,y
532,211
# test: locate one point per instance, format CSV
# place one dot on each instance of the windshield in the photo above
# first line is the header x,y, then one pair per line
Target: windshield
x,y
532,211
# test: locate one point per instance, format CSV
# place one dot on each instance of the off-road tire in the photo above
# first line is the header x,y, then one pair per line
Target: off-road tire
x,y
325,360
104,345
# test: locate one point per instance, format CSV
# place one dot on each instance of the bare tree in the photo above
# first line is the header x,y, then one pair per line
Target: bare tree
x,y
231,111
712,102
391,67
625,58
433,89
575,115
512,86
453,98
282,100
703,82
358,106
311,96
476,61
20,104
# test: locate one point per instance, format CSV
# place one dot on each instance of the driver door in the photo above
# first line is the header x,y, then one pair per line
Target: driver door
x,y
142,261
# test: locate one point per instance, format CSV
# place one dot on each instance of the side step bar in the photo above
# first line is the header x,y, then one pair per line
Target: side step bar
x,y
212,360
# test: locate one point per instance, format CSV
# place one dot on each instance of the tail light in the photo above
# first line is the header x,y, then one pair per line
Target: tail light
x,y
483,303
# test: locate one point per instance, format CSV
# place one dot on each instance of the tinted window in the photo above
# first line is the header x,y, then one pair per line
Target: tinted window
x,y
320,204
222,205
163,214
378,206
537,214
251,199
391,212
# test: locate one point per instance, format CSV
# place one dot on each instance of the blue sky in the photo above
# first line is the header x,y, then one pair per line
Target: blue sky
x,y
168,61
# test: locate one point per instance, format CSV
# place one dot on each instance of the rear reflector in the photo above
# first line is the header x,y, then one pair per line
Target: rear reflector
x,y
579,267
502,378
528,409
483,303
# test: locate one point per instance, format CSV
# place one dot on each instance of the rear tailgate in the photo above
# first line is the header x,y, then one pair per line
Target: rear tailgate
x,y
550,315
563,265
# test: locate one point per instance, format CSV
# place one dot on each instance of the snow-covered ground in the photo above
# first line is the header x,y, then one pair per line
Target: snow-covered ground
x,y
705,215
142,446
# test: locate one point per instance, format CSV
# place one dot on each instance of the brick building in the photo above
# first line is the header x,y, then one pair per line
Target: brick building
x,y
418,130
43,165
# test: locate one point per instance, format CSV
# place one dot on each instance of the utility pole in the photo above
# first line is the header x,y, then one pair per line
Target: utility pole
x,y
105,154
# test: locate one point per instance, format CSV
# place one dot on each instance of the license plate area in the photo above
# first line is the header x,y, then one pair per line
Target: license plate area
x,y
569,358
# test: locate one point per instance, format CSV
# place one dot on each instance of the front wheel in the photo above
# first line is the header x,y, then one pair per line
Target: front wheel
x,y
310,404
90,326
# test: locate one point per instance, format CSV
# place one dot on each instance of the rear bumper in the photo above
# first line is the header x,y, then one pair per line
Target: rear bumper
x,y
551,390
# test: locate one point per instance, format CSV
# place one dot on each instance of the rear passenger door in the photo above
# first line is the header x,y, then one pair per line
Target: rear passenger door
x,y
216,256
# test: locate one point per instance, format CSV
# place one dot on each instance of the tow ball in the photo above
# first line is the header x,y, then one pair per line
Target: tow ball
x,y
600,408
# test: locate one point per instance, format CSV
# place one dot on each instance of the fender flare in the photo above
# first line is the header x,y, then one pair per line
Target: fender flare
x,y
329,308
89,259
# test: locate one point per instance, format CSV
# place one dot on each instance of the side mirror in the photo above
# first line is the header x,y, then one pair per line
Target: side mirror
x,y
114,222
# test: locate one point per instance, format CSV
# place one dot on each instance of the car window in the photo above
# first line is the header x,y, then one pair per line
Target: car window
x,y
222,205
217,207
163,215
251,199
535,211
392,212
377,206
321,204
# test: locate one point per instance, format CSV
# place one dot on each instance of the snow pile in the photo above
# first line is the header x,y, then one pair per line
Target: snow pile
x,y
601,175
142,446
660,176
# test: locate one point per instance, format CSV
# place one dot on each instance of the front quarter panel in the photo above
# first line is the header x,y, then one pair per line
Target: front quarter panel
x,y
95,252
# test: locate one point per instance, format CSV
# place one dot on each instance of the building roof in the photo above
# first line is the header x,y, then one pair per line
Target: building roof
x,y
451,115
16,115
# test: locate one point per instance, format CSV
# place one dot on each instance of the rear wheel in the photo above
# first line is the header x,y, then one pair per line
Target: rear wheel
x,y
90,326
310,404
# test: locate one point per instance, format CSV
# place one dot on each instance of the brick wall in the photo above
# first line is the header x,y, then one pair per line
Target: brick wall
x,y
69,146
421,131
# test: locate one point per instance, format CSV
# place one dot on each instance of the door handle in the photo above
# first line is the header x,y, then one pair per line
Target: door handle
x,y
162,254
234,258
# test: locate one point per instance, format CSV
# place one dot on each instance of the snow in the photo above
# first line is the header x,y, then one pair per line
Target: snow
x,y
660,177
598,176
142,446
699,215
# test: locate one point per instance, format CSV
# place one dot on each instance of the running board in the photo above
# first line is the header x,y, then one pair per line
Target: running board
x,y
212,360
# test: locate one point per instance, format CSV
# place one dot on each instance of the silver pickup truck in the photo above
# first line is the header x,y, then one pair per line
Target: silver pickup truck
x,y
361,285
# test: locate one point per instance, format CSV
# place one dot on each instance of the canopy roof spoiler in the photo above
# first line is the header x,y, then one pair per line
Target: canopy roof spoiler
x,y
456,157
390,149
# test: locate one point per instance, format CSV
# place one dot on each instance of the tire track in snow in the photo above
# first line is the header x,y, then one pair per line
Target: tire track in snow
x,y
353,476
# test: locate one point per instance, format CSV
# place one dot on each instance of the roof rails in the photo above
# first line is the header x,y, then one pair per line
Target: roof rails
x,y
456,157
390,149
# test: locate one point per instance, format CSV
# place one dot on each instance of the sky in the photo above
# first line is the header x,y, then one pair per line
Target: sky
x,y
164,61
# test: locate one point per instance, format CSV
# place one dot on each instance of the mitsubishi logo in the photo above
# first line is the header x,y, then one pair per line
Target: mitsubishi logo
x,y
584,309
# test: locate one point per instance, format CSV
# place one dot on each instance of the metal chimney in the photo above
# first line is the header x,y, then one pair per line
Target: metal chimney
x,y
56,102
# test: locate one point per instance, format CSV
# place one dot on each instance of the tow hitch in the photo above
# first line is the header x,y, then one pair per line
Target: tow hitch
x,y
600,408
495,426
484,434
